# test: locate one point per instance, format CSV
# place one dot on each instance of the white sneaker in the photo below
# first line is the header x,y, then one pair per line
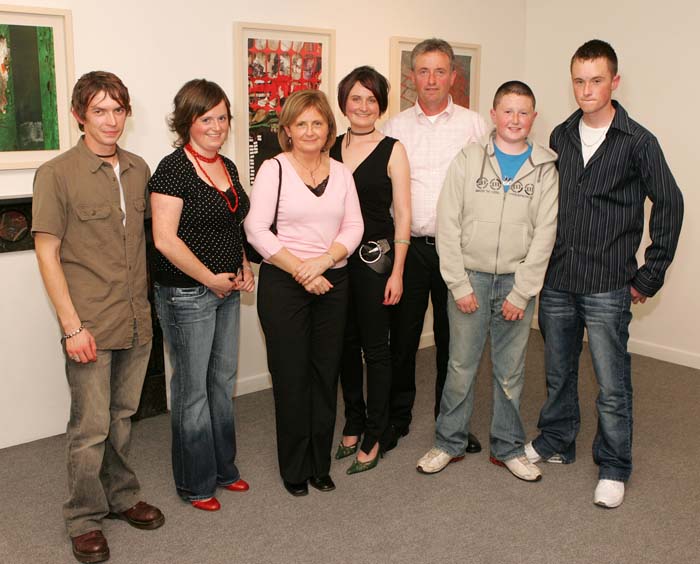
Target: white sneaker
x,y
435,460
534,457
520,467
531,453
609,493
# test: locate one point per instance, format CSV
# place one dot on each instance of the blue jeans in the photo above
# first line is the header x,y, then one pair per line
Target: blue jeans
x,y
606,316
201,331
468,333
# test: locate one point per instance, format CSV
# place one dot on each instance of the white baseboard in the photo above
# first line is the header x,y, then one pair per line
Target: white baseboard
x,y
261,381
668,354
644,348
253,383
426,340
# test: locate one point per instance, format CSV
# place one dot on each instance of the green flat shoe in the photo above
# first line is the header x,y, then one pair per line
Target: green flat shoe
x,y
358,466
345,451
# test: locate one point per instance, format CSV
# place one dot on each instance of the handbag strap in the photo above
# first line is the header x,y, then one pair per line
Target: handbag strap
x,y
273,227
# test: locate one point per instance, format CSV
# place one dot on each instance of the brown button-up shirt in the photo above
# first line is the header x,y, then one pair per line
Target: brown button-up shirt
x,y
77,199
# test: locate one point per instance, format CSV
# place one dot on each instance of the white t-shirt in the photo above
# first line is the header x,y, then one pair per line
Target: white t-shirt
x,y
591,139
122,202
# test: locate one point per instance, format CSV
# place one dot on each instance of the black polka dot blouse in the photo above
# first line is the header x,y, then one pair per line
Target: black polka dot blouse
x,y
207,225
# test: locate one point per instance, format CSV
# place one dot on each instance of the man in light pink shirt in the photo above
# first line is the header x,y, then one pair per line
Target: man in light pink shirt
x,y
432,131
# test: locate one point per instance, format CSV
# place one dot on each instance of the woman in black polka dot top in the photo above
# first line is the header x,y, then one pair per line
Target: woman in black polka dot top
x,y
198,208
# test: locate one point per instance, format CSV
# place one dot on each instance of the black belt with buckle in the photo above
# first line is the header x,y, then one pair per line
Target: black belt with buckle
x,y
427,239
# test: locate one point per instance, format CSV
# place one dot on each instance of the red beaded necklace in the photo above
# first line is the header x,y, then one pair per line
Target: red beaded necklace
x,y
210,160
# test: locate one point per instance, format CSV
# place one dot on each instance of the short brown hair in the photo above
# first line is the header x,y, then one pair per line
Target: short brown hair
x,y
371,80
432,45
513,87
194,99
91,84
296,104
596,49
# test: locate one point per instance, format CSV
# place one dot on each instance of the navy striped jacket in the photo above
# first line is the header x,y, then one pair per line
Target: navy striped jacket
x,y
601,210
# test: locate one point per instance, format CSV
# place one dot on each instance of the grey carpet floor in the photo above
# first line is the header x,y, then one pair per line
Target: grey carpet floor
x,y
473,512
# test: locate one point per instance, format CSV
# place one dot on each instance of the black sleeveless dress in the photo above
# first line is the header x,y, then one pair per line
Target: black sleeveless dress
x,y
368,320
373,188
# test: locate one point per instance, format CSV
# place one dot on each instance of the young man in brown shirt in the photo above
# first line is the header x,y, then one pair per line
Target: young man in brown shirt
x,y
88,224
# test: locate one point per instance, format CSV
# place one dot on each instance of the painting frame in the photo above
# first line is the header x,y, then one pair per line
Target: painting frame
x,y
245,31
61,23
399,72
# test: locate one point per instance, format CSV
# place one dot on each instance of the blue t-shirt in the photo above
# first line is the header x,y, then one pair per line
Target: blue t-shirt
x,y
510,164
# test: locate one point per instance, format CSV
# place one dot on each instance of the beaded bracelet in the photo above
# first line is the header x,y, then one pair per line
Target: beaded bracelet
x,y
73,333
404,241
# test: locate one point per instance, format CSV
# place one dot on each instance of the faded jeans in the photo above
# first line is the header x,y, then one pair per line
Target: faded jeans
x,y
606,316
201,331
104,396
468,333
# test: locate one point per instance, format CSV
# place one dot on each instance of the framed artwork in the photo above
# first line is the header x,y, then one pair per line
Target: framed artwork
x,y
271,62
465,90
36,74
16,225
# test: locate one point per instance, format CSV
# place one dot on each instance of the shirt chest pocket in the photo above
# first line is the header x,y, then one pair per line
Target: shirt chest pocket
x,y
139,205
88,212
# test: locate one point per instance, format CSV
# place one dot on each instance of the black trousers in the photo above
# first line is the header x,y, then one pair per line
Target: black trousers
x,y
421,280
367,330
304,338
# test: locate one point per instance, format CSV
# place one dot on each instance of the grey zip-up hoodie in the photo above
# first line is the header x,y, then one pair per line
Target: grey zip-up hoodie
x,y
481,227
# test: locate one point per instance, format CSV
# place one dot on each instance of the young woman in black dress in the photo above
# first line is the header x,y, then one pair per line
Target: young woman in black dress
x,y
382,176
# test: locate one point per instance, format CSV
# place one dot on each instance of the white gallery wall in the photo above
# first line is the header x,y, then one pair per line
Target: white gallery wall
x,y
156,46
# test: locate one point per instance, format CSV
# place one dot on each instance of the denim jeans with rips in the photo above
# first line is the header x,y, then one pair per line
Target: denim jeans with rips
x,y
562,319
468,333
201,331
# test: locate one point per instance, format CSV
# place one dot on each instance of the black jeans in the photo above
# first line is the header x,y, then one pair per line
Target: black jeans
x,y
304,338
367,330
421,279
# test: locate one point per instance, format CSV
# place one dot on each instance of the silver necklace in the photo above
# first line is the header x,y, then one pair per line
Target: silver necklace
x,y
598,140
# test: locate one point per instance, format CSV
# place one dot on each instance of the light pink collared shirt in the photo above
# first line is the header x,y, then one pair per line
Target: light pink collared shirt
x,y
431,146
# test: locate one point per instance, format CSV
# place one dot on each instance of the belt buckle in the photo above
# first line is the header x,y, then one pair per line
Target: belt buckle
x,y
371,251
430,240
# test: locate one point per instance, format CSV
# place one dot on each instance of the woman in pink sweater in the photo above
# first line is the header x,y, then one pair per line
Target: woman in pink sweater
x,y
304,236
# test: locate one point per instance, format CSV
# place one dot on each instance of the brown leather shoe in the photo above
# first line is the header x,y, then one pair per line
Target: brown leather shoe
x,y
90,547
142,516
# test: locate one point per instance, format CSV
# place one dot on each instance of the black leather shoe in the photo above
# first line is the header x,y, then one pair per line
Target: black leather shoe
x,y
390,439
473,444
322,484
296,490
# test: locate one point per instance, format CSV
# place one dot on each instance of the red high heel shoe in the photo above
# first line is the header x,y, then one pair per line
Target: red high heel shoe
x,y
211,504
238,486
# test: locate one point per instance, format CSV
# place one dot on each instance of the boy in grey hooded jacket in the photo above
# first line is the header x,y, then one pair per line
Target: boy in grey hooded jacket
x,y
496,226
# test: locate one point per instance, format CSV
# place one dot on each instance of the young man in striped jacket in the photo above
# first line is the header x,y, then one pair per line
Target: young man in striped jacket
x,y
608,166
